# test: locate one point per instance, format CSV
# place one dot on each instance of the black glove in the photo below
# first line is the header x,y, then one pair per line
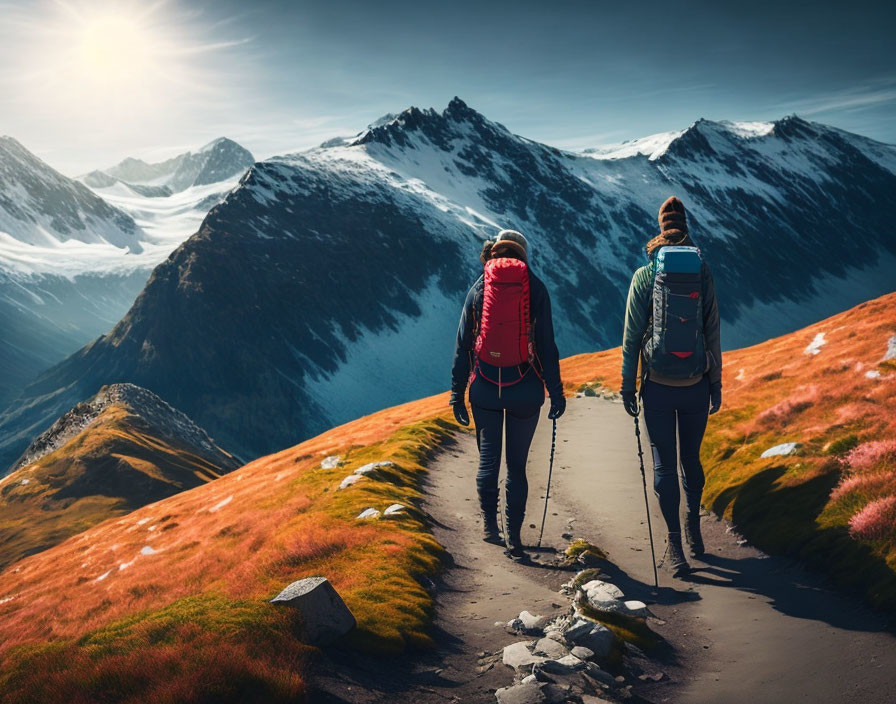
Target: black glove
x,y
715,397
558,407
630,401
460,412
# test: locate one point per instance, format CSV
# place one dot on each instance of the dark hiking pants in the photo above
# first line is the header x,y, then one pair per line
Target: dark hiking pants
x,y
686,407
505,422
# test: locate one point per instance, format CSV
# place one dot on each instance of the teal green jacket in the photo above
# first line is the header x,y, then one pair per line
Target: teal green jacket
x,y
638,310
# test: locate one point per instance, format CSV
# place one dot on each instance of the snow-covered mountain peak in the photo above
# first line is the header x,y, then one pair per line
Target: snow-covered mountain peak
x,y
219,160
40,206
457,120
656,145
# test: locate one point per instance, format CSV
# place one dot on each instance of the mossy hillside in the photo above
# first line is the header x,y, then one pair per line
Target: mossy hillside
x,y
115,465
198,609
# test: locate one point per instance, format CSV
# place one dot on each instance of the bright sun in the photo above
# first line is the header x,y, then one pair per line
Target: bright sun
x,y
113,49
100,58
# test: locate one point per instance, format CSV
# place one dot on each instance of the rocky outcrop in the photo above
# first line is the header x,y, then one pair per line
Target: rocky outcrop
x,y
325,617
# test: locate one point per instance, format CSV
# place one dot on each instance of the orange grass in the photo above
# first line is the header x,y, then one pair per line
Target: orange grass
x,y
112,467
840,405
226,547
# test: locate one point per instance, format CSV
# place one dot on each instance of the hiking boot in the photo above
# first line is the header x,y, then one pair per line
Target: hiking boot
x,y
514,546
674,559
693,535
490,532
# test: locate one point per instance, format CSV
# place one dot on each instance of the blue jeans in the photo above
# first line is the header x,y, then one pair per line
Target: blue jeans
x,y
689,406
512,415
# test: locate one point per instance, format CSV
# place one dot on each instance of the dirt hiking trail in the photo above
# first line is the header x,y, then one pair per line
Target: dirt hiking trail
x,y
743,628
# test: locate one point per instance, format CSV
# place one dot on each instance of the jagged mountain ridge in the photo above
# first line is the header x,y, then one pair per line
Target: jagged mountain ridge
x,y
329,283
38,205
120,450
216,161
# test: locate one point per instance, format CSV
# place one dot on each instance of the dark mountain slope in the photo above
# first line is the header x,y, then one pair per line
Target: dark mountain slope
x,y
329,283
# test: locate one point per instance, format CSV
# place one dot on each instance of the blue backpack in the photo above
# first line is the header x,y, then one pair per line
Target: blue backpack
x,y
674,345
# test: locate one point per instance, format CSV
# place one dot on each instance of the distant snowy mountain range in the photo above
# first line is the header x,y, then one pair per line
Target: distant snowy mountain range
x,y
73,258
328,284
217,161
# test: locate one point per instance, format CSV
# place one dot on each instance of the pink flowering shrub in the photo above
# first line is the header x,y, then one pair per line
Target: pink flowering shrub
x,y
800,400
868,485
870,454
877,521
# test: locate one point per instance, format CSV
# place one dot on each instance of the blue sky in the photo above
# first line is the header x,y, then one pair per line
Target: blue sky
x,y
91,81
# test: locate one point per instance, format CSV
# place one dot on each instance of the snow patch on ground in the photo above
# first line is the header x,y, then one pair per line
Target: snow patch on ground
x,y
221,504
891,349
872,374
147,550
815,346
330,462
103,576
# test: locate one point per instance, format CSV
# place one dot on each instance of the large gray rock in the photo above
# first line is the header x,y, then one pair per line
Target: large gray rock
x,y
531,622
598,638
550,648
598,591
528,693
518,655
325,617
562,666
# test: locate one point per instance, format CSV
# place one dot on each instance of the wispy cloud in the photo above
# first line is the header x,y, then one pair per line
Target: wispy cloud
x,y
871,94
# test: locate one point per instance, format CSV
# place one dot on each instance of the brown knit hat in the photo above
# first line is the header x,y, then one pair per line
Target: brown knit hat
x,y
672,216
673,226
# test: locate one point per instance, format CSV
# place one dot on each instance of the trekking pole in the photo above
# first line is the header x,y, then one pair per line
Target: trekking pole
x,y
547,493
656,583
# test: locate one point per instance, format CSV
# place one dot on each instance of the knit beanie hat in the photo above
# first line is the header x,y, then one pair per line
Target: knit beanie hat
x,y
514,237
672,216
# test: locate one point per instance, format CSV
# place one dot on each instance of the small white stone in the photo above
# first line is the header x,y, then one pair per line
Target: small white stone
x,y
785,448
395,508
330,462
531,622
636,608
349,480
368,513
373,466
872,374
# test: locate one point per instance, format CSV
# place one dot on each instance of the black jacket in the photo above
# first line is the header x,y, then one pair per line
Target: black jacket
x,y
547,357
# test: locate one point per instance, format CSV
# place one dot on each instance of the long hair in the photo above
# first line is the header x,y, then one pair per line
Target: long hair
x,y
674,237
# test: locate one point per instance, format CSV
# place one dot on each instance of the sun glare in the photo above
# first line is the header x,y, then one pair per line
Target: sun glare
x,y
112,49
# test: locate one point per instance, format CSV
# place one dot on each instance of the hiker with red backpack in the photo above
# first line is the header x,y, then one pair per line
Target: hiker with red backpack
x,y
672,327
506,352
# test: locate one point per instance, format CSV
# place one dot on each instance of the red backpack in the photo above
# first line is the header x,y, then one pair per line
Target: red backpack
x,y
505,330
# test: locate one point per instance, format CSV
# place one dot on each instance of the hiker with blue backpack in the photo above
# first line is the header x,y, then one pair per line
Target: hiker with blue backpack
x,y
506,352
672,327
